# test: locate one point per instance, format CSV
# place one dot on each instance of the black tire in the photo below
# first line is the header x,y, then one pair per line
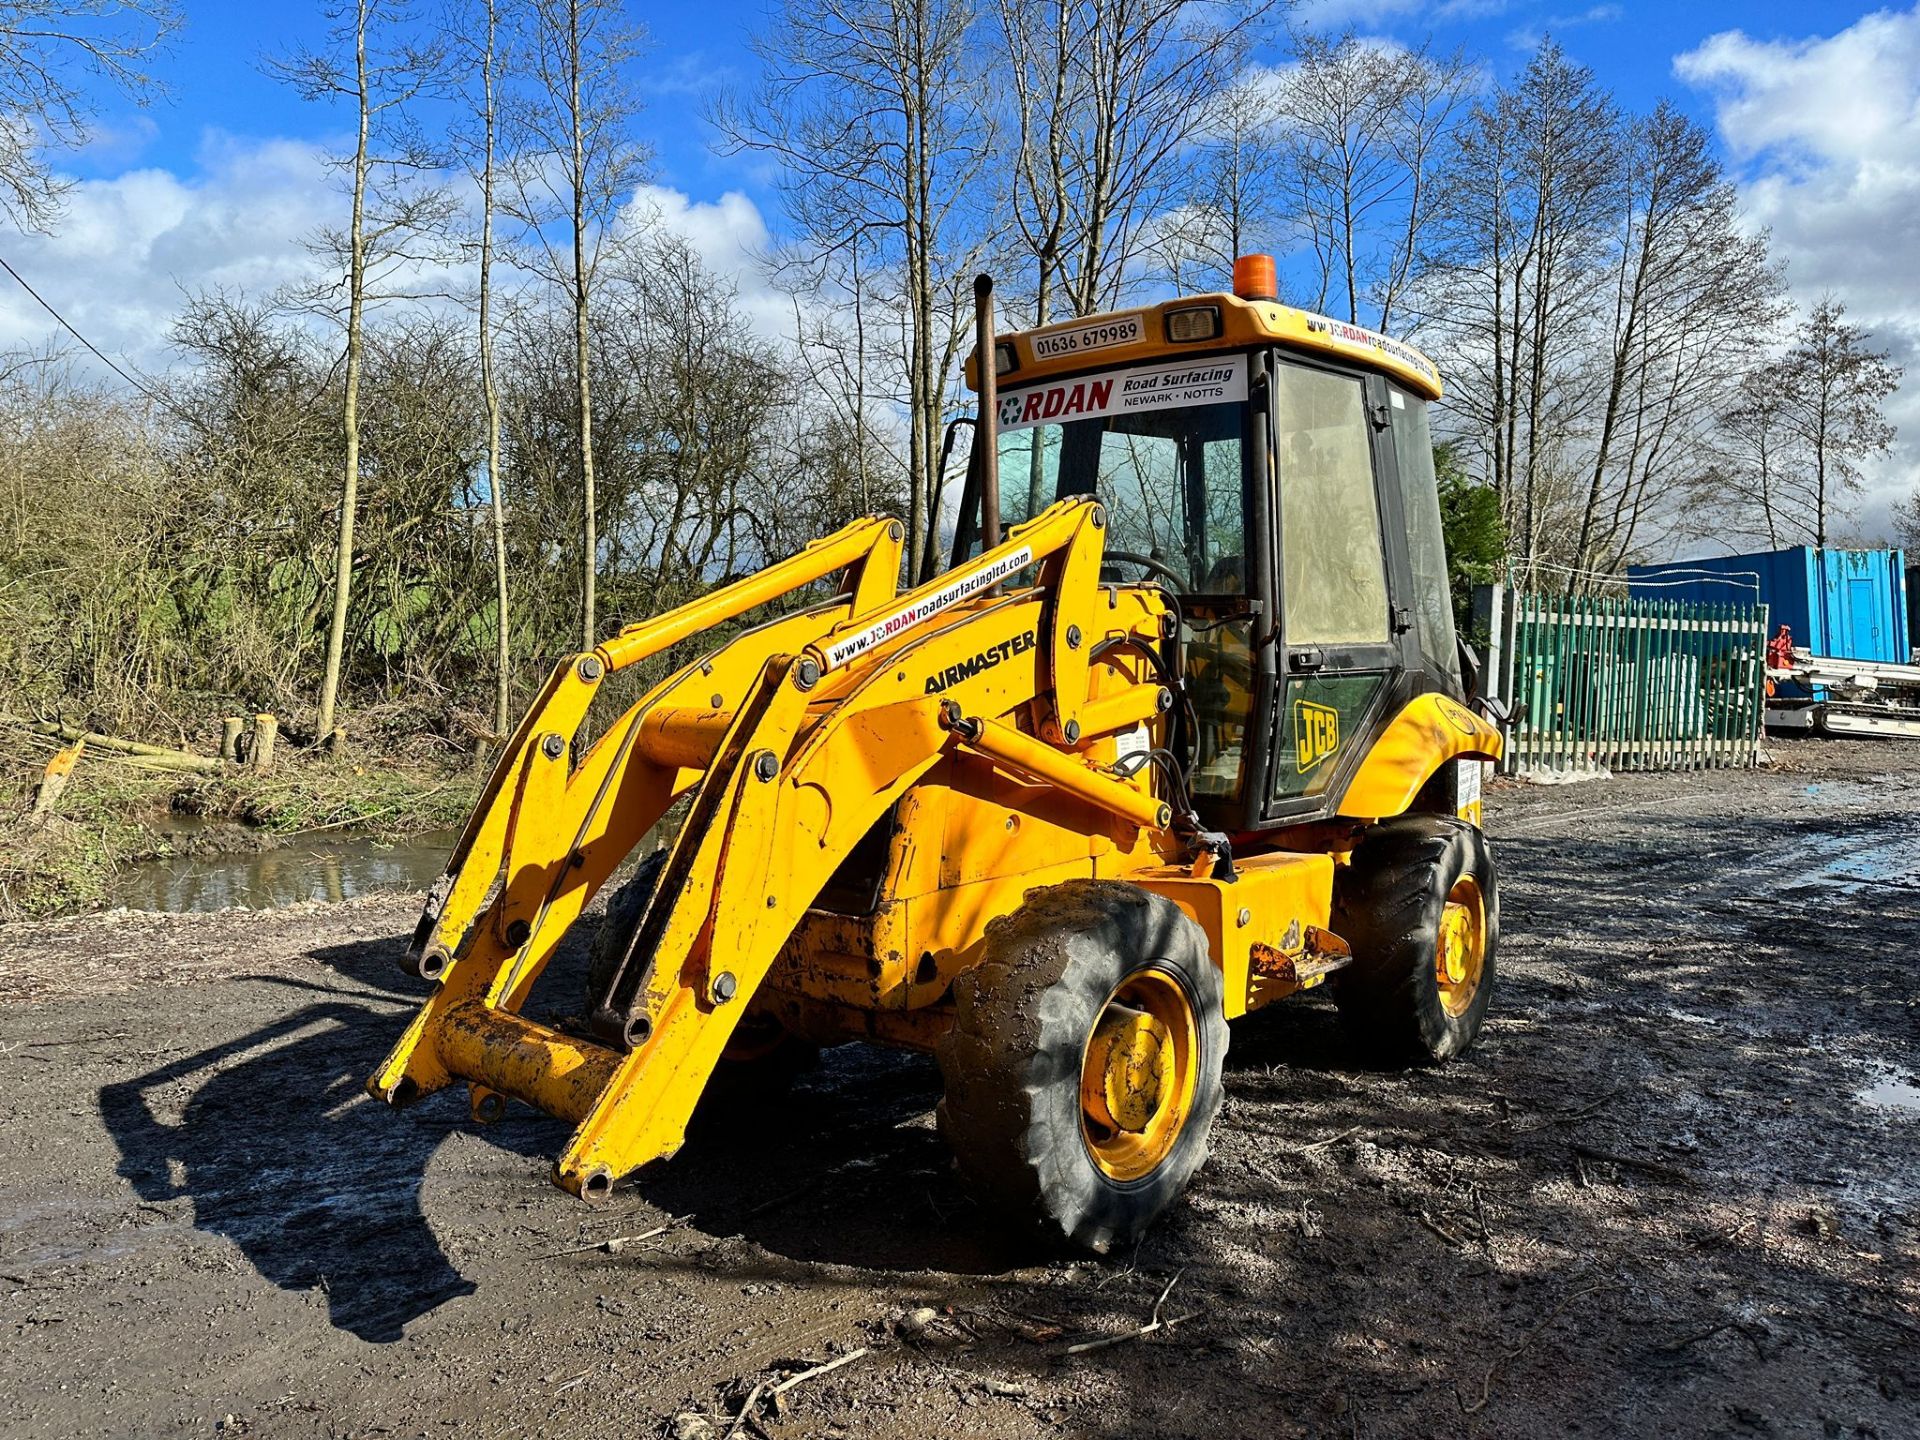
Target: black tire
x,y
622,917
1389,905
762,1057
1024,1018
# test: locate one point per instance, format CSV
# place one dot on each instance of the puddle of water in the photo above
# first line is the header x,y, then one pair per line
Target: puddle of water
x,y
1687,1017
1892,1091
1853,864
332,869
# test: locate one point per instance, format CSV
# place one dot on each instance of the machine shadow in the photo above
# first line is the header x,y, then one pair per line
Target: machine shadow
x,y
847,1168
272,1139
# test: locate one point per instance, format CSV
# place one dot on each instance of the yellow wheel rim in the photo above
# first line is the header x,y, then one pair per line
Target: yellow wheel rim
x,y
1462,953
1137,1075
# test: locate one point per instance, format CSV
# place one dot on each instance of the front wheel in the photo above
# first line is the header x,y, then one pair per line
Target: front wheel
x,y
1420,905
1083,1069
762,1057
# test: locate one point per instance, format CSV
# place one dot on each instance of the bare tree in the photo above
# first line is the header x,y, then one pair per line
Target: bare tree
x,y
1106,94
1906,526
1233,206
1756,470
1519,276
54,57
1692,298
1362,124
872,109
577,163
377,62
1833,387
833,321
483,161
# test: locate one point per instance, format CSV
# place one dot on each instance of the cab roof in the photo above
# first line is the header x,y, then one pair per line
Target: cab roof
x,y
1141,334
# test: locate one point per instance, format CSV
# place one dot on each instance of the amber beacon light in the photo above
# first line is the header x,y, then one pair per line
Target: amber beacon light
x,y
1253,278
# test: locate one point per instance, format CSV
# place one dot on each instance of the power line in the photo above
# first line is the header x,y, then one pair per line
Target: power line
x,y
97,352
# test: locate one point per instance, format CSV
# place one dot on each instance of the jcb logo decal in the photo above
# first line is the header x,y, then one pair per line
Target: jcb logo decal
x,y
1316,733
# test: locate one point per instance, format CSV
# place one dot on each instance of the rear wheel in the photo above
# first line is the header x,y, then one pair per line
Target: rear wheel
x,y
1421,907
1083,1069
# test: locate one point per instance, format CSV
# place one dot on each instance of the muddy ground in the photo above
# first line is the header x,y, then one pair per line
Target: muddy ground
x,y
1674,1191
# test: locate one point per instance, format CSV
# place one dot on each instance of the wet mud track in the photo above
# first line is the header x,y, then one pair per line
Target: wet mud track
x,y
1675,1190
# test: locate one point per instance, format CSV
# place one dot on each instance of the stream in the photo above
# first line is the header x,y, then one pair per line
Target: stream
x,y
318,868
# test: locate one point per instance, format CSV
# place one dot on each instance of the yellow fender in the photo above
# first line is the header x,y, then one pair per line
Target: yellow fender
x,y
1429,731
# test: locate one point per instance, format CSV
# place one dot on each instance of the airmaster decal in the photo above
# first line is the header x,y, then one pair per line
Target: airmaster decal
x,y
974,664
1316,733
928,604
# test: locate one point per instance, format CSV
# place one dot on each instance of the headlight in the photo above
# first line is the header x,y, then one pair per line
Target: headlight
x,y
1201,322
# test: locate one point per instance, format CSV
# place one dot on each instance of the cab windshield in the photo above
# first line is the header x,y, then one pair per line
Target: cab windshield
x,y
1165,449
1162,447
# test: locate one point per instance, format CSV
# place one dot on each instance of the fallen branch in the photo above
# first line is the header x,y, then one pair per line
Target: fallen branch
x,y
1108,1341
1154,1323
1720,1236
1567,1117
152,754
1634,1162
816,1372
770,1391
1438,1229
859,1162
1508,1357
1674,1347
1330,1140
614,1244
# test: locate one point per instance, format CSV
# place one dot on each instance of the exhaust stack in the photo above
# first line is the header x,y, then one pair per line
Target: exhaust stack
x,y
986,434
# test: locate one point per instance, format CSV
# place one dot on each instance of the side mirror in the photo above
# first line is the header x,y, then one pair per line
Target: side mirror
x,y
1469,668
1503,713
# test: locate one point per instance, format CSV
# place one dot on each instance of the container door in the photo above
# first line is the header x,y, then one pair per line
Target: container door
x,y
1863,621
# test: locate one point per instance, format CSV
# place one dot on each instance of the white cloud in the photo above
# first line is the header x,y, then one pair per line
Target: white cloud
x,y
1825,132
1529,37
130,248
730,236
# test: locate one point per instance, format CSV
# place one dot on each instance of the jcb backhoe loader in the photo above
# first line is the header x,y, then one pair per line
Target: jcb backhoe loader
x,y
1179,728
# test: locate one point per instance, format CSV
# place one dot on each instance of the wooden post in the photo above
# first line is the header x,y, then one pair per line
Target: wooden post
x,y
230,729
59,768
265,728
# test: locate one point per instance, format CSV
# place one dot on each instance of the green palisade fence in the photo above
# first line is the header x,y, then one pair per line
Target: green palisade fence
x,y
1633,684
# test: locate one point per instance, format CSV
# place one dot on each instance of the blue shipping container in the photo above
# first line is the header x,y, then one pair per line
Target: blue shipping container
x,y
1849,604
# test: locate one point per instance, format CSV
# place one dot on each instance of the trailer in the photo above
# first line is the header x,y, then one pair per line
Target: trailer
x,y
1829,695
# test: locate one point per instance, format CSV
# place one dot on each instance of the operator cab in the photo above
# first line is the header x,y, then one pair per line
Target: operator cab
x,y
1273,471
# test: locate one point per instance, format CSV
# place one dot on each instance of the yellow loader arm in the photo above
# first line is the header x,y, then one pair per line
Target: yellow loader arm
x,y
792,741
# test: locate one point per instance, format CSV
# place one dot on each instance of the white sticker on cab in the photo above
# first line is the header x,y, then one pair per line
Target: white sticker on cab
x,y
1222,378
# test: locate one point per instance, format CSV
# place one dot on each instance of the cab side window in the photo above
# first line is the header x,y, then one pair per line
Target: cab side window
x,y
1426,544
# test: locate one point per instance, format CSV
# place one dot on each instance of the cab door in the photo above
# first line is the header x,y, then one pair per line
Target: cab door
x,y
1341,638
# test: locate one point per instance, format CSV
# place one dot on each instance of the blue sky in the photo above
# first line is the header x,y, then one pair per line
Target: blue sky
x,y
1816,107
218,82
